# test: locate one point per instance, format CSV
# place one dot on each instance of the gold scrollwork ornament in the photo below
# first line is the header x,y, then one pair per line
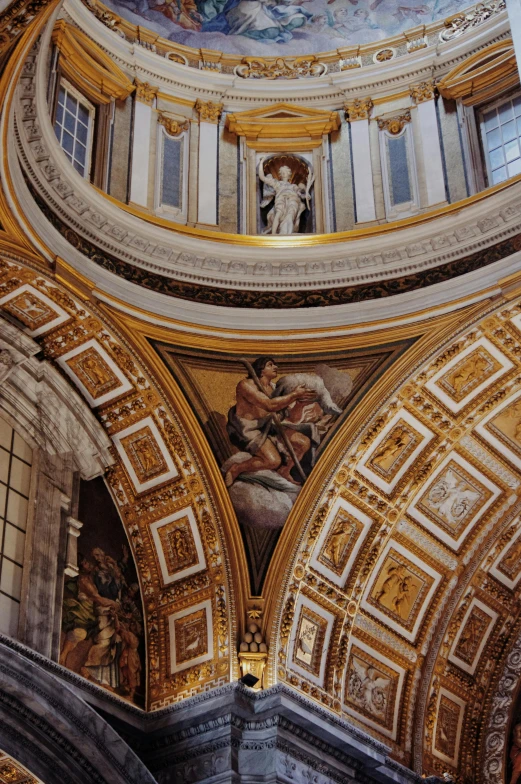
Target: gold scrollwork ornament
x,y
208,111
280,68
172,127
422,92
359,109
394,125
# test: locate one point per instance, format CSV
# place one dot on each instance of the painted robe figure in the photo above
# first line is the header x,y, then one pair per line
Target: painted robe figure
x,y
250,424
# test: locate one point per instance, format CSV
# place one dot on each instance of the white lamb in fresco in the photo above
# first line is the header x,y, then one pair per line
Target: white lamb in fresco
x,y
289,383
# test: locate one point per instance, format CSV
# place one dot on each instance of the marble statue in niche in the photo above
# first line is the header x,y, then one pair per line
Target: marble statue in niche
x,y
287,181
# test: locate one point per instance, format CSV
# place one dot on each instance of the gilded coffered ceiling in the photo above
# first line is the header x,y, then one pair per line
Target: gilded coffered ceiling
x,y
371,557
391,594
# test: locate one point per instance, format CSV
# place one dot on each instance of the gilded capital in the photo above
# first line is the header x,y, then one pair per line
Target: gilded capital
x,y
422,92
172,127
394,125
359,109
145,92
208,111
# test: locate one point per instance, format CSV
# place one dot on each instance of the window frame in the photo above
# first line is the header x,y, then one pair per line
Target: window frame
x,y
481,111
407,209
30,501
91,108
178,214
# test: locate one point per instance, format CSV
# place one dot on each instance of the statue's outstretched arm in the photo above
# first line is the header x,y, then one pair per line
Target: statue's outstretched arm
x,y
262,176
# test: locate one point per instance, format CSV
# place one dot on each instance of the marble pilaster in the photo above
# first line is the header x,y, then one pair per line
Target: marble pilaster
x,y
209,114
358,114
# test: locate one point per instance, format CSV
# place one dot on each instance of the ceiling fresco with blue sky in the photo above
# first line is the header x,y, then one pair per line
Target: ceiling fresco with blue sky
x,y
275,27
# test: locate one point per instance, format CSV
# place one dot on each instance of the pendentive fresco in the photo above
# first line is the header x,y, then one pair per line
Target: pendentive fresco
x,y
268,419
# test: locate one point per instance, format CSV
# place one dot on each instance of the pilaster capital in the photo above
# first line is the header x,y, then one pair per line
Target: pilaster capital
x,y
425,91
359,109
208,111
145,92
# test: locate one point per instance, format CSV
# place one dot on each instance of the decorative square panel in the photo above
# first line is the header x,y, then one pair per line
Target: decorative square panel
x,y
401,590
178,545
309,645
468,373
455,498
34,309
507,566
501,428
95,373
372,688
394,450
472,636
340,541
145,455
12,774
447,730
191,636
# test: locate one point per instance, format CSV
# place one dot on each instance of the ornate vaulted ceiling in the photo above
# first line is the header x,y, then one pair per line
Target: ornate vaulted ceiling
x,y
387,586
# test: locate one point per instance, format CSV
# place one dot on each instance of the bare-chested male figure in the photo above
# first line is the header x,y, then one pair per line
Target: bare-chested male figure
x,y
251,428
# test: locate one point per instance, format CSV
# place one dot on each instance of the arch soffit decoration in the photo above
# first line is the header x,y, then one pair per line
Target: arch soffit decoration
x,y
71,330
340,632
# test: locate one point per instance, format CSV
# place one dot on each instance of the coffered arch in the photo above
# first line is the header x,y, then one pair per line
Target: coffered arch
x,y
158,480
395,607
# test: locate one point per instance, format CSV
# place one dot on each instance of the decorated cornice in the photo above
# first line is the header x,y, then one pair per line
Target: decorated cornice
x,y
345,266
351,71
359,109
208,111
483,75
379,52
283,121
88,66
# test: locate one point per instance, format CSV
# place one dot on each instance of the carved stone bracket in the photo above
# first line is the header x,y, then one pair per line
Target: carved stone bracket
x,y
394,125
359,109
280,68
172,127
208,111
425,91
